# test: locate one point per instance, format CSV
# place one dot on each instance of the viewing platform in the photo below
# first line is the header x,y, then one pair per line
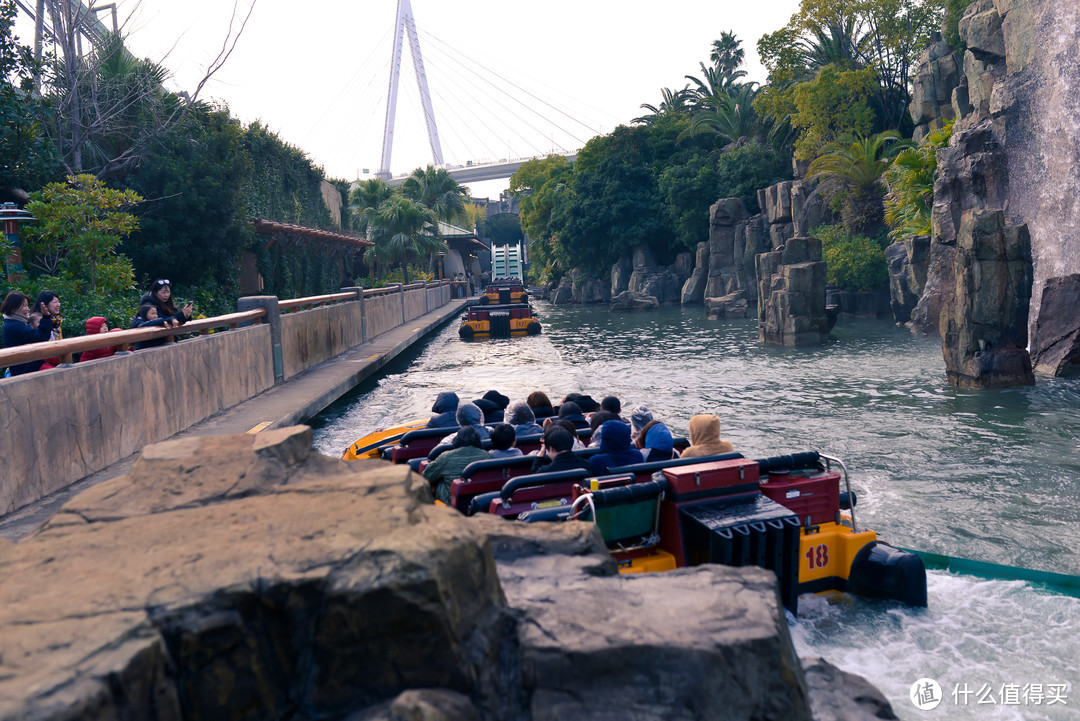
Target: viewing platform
x,y
282,362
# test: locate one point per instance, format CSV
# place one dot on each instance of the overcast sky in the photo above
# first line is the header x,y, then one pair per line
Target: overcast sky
x,y
507,79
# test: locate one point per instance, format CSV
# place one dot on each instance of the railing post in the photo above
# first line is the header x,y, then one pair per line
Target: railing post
x,y
363,308
269,303
401,293
426,293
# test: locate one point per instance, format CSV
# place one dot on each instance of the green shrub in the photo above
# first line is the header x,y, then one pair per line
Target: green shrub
x,y
852,262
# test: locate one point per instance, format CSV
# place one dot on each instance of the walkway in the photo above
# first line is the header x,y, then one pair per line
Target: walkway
x,y
287,404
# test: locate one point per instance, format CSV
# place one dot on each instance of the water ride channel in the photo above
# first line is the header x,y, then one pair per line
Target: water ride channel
x,y
990,476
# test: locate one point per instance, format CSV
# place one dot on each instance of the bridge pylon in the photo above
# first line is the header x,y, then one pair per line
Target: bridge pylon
x,y
405,22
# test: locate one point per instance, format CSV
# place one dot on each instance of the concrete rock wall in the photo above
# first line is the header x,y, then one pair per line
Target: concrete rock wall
x,y
112,407
309,337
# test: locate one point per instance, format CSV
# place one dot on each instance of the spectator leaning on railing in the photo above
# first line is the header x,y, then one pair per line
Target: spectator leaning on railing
x,y
18,331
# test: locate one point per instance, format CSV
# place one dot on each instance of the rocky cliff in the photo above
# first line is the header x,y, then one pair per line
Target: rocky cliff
x,y
1015,95
247,577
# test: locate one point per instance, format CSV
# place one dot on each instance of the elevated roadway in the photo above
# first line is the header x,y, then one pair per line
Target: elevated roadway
x,y
479,173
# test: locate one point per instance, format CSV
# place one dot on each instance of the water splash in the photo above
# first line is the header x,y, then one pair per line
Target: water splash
x,y
1044,146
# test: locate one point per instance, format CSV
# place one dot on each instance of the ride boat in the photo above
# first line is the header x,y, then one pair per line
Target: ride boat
x,y
793,514
504,291
498,321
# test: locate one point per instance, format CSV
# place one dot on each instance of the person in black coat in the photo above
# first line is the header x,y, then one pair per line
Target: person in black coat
x,y
493,404
571,411
445,410
555,454
18,330
160,296
147,317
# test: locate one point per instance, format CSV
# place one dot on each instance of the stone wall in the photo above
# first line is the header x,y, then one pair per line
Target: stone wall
x,y
309,337
66,423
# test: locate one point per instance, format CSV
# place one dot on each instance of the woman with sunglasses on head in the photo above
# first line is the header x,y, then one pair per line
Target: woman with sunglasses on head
x,y
160,295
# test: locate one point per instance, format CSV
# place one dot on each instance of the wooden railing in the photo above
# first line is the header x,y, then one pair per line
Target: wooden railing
x,y
314,301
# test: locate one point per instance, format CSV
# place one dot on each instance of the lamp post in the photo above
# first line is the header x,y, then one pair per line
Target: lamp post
x,y
12,215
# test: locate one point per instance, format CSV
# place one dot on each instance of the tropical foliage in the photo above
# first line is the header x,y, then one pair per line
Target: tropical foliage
x,y
852,261
851,170
910,178
858,57
404,224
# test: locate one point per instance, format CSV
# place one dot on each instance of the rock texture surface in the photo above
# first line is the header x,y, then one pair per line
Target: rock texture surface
x,y
1055,349
984,318
246,577
631,301
791,294
908,260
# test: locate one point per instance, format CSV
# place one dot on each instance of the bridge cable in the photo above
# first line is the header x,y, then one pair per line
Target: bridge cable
x,y
451,82
444,103
527,92
502,105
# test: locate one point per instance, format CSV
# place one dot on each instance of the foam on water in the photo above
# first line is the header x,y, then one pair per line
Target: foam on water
x,y
975,632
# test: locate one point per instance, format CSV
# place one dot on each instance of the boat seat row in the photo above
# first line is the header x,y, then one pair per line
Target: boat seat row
x,y
526,492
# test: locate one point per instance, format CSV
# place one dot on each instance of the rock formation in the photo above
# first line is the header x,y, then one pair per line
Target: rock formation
x,y
791,294
693,290
631,301
248,577
908,260
984,318
589,290
732,305
1055,349
1015,145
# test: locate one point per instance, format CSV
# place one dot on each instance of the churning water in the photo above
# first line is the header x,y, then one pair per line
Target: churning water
x,y
988,475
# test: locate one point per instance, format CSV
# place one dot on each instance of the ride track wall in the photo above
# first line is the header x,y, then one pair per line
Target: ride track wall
x,y
67,423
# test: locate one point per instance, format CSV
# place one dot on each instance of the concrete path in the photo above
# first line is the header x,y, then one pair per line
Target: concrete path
x,y
294,401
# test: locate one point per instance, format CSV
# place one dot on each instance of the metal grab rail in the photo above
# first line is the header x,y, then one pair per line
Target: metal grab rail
x,y
66,347
315,300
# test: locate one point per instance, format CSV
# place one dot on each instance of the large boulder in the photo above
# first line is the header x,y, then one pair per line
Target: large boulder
x,y
984,318
1055,347
703,643
589,290
245,577
732,305
693,290
631,301
620,275
791,294
564,292
908,260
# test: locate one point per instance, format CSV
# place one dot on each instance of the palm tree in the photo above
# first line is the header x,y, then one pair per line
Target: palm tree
x,y
730,117
401,228
713,84
853,167
726,54
673,101
436,189
368,194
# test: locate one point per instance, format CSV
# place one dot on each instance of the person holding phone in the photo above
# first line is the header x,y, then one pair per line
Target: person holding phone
x,y
160,296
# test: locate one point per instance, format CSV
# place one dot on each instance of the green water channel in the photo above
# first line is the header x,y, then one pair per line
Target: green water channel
x,y
992,476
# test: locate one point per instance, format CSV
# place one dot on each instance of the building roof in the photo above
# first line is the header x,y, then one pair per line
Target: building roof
x,y
288,230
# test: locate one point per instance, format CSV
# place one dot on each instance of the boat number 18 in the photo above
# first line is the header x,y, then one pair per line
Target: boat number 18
x,y
818,555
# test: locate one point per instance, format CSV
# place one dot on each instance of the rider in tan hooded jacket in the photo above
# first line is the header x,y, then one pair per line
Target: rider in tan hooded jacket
x,y
705,437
